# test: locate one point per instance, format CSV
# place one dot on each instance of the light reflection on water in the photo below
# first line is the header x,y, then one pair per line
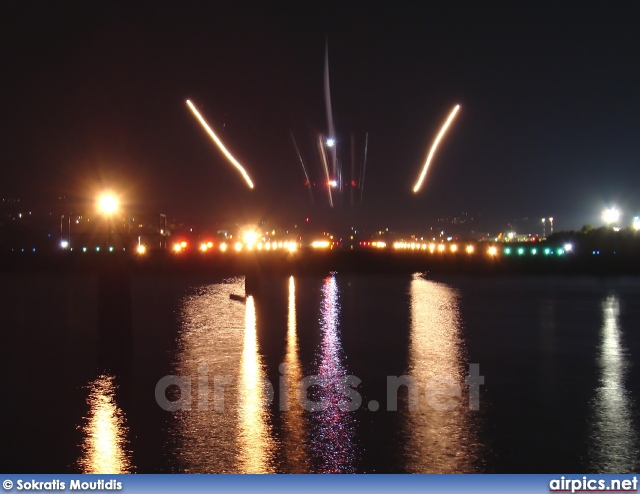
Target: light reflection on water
x,y
255,434
210,343
104,449
296,456
615,448
334,428
228,428
438,440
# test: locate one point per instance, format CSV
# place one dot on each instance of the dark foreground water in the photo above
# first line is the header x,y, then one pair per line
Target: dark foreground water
x,y
85,388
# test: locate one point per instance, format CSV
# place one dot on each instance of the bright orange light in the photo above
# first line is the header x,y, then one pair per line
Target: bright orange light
x,y
219,144
470,249
238,246
320,244
203,247
141,249
434,146
492,251
183,244
453,248
223,247
209,245
177,248
107,203
441,248
250,237
292,246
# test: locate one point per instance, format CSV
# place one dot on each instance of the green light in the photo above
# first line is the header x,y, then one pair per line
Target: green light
x,y
97,249
110,248
547,251
507,251
560,252
534,251
521,251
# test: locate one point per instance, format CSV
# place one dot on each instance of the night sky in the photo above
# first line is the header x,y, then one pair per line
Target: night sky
x,y
92,95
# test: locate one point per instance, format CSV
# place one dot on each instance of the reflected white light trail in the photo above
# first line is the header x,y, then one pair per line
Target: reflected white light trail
x,y
218,142
444,128
615,445
333,435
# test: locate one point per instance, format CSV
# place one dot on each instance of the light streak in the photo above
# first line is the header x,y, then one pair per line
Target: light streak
x,y
444,128
220,145
364,166
327,102
304,168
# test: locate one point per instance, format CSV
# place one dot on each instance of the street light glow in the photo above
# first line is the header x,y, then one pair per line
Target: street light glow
x,y
108,203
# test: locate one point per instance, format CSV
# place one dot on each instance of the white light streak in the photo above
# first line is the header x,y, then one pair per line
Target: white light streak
x,y
220,145
444,128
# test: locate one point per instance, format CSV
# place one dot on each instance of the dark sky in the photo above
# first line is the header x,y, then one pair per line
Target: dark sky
x,y
92,94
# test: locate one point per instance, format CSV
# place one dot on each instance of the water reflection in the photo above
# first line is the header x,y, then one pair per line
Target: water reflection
x,y
255,438
440,435
615,439
334,428
104,449
294,424
227,429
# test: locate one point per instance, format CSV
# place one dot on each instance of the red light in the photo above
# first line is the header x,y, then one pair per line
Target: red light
x,y
307,220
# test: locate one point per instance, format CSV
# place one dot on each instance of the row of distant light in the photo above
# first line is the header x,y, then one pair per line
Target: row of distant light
x,y
290,246
470,249
432,247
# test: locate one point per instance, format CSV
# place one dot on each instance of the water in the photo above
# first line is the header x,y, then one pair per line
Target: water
x,y
560,391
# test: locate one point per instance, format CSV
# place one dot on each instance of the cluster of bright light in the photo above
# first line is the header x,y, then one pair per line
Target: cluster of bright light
x,y
376,244
636,223
332,183
330,142
611,215
320,244
180,246
205,246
